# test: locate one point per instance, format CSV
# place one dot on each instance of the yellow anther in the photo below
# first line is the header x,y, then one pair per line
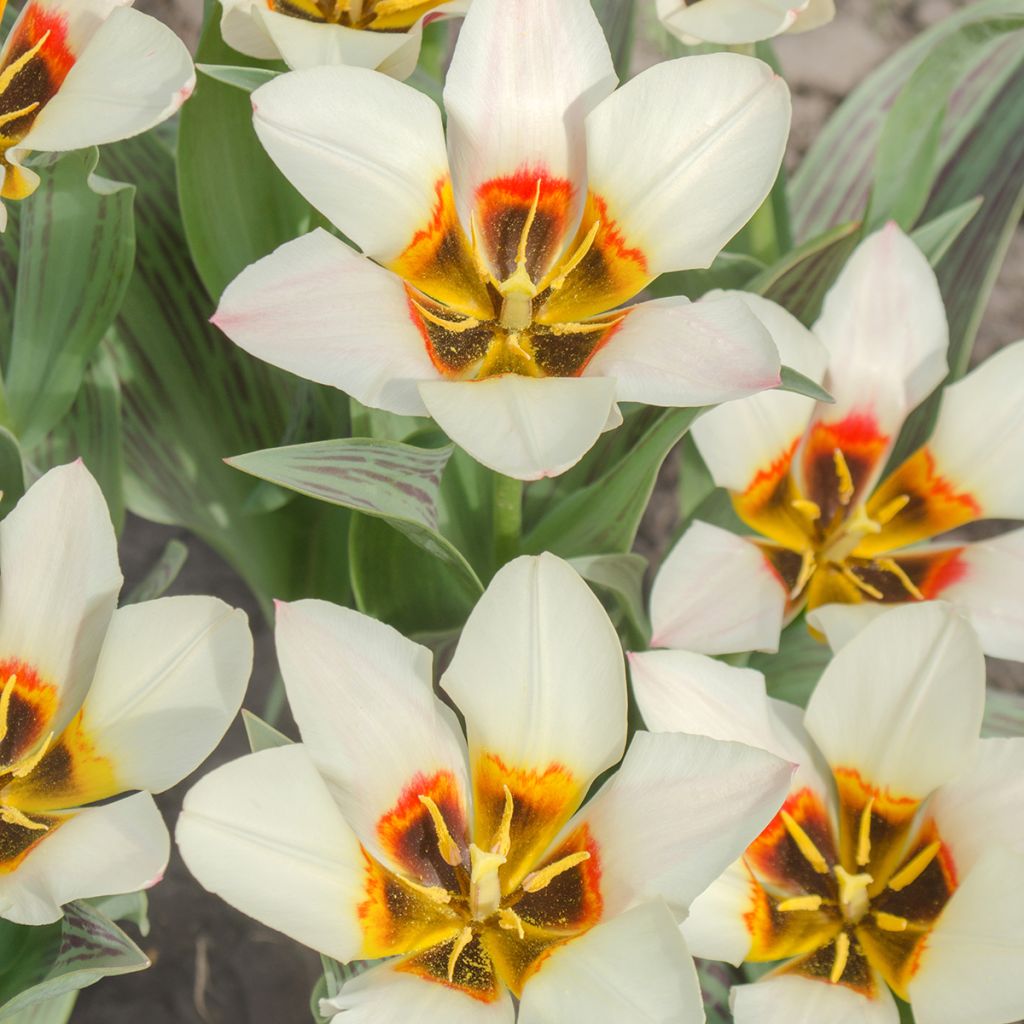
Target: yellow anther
x,y
846,488
462,940
569,265
513,342
29,765
808,564
524,236
570,328
810,510
455,326
799,903
860,524
11,71
448,848
891,509
511,922
853,893
864,834
805,844
891,565
842,958
436,893
503,837
5,705
890,922
537,880
482,266
14,115
14,817
913,870
860,584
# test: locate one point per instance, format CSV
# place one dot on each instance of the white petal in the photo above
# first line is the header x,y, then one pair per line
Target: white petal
x,y
792,1000
634,969
840,623
677,813
59,581
970,971
99,851
902,702
984,805
322,127
243,30
814,15
524,427
884,326
383,995
705,137
716,593
309,44
978,443
743,437
522,80
676,353
362,698
728,21
169,681
716,927
264,834
133,73
320,310
538,672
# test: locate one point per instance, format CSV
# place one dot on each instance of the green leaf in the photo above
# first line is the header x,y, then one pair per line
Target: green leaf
x,y
50,961
129,906
260,735
398,582
801,278
617,18
161,575
796,383
395,482
236,205
1004,713
622,576
49,1011
63,306
716,981
936,237
603,517
329,983
793,672
247,79
907,160
729,271
12,471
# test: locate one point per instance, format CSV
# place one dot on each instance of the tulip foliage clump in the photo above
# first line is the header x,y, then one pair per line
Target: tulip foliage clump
x,y
411,311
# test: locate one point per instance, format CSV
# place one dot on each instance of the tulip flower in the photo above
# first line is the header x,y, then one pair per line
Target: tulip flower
x,y
96,701
836,530
900,873
488,293
738,22
78,73
383,834
381,34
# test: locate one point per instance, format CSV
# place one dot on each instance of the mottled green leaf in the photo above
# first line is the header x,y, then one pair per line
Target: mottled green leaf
x,y
936,237
49,1011
1004,713
12,471
161,575
798,384
730,270
716,981
622,576
793,672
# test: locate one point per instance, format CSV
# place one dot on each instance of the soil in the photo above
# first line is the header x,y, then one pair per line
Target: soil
x,y
211,964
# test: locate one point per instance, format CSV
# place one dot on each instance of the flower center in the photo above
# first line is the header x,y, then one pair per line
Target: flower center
x,y
21,767
375,15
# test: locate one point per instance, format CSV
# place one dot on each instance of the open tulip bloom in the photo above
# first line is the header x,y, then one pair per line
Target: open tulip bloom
x,y
382,835
381,34
78,73
487,292
833,526
96,701
741,21
901,871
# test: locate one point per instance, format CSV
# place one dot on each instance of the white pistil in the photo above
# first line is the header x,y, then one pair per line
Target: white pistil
x,y
484,882
853,893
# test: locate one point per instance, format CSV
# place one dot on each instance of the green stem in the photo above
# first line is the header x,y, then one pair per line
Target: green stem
x,y
763,234
508,518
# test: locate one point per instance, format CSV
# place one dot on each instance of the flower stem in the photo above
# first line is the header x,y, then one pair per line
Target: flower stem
x,y
508,518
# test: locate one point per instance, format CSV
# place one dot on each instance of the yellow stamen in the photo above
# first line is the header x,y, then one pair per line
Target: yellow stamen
x,y
569,265
449,849
15,114
570,328
455,326
807,567
464,938
14,817
436,893
5,705
912,871
842,958
846,488
805,844
864,835
537,880
15,66
810,510
891,509
29,765
511,922
524,236
860,584
503,837
891,565
890,922
799,903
